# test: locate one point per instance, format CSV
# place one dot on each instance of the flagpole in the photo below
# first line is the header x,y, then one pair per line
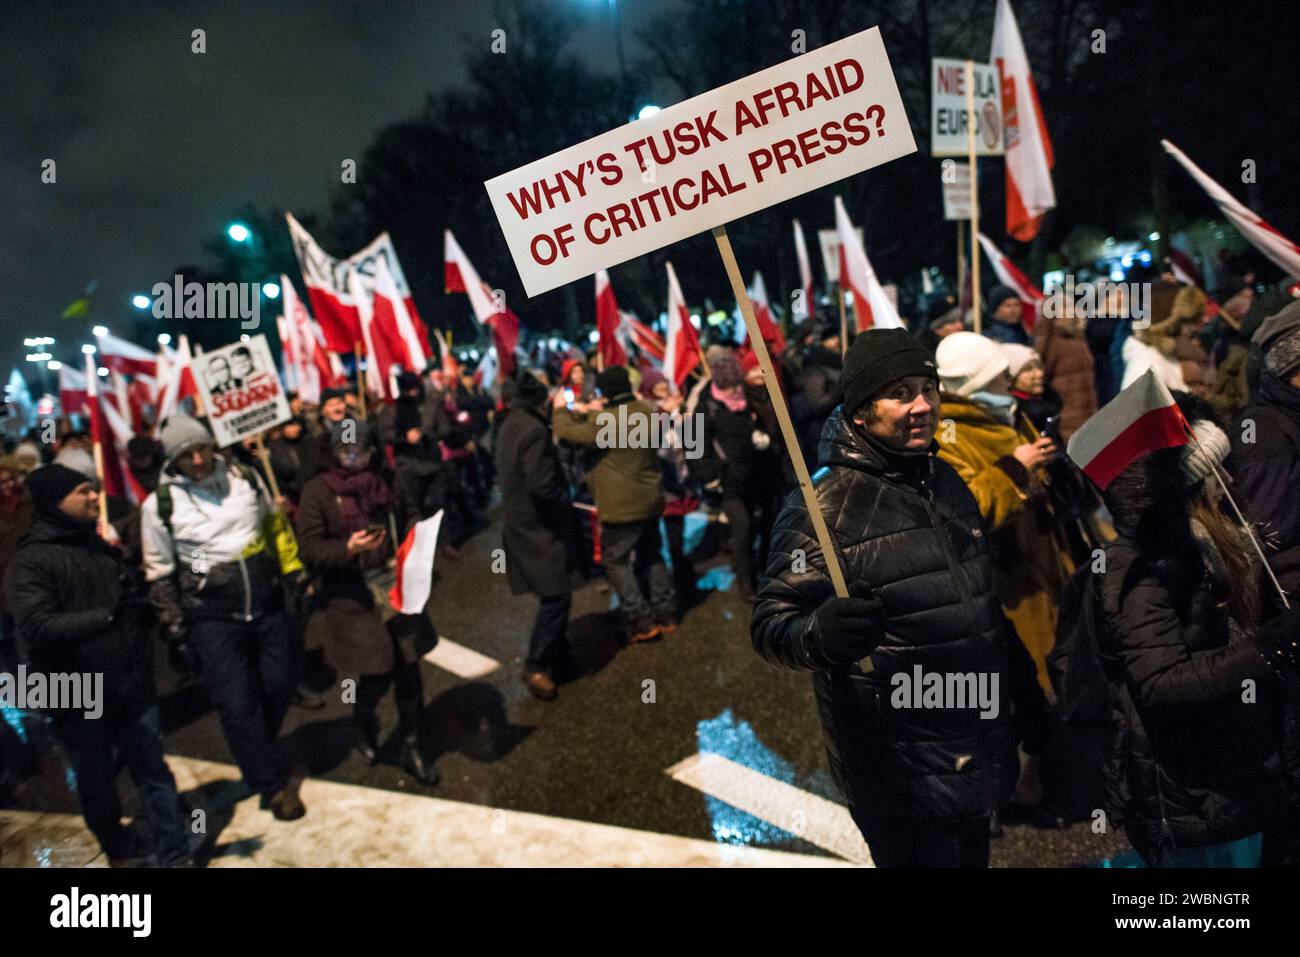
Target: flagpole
x,y
1250,529
358,351
974,195
783,415
844,322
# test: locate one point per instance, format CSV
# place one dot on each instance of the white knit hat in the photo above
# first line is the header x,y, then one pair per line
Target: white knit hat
x,y
968,362
1018,357
1208,451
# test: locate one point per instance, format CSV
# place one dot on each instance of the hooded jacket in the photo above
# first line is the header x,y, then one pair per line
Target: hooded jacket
x,y
80,609
216,560
910,529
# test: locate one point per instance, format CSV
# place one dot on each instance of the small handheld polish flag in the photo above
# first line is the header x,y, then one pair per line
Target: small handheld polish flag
x,y
1142,418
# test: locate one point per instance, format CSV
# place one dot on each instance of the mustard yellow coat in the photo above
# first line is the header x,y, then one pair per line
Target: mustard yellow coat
x,y
1031,559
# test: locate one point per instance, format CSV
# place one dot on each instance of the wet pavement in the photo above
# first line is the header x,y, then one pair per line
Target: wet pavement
x,y
691,736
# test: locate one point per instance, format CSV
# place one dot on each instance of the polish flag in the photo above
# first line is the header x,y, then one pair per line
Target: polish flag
x,y
306,360
125,357
179,383
72,389
331,300
488,369
646,340
505,337
612,352
1141,419
383,348
390,313
805,270
460,276
107,460
120,433
1028,148
1259,233
682,346
1030,296
414,574
767,326
870,304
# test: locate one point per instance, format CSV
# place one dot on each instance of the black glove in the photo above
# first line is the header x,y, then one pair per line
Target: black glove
x,y
183,659
849,629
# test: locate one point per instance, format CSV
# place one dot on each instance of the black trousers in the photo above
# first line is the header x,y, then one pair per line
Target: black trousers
x,y
899,842
550,638
408,690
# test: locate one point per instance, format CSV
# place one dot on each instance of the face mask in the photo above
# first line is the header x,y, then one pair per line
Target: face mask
x,y
1002,407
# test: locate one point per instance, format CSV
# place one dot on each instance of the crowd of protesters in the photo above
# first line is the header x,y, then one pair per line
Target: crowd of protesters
x,y
1132,618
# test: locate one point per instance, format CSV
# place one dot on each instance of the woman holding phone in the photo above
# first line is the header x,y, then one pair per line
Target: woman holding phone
x,y
341,535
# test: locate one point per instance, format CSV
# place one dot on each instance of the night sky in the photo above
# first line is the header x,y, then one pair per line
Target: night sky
x,y
157,146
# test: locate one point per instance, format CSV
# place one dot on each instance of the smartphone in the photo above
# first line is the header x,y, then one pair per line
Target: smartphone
x,y
568,397
1052,428
375,528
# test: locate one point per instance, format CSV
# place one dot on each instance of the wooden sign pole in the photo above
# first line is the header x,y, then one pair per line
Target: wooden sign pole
x,y
782,413
974,196
844,323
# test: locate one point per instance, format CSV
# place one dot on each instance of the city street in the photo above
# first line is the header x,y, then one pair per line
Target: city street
x,y
678,737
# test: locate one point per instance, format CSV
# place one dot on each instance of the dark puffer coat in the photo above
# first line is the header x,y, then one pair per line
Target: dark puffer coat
x,y
1191,762
908,527
80,609
538,527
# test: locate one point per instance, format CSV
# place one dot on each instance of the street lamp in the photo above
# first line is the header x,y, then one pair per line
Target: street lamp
x,y
100,330
647,111
54,365
140,301
88,350
272,290
238,232
164,339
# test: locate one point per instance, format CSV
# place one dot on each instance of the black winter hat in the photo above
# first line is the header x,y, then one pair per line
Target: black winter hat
x,y
50,485
1000,294
614,382
879,357
328,394
529,389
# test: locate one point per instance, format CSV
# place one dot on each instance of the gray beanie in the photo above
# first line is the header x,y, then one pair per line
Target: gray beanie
x,y
180,433
77,459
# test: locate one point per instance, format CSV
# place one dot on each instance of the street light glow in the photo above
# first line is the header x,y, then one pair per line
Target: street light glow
x,y
87,350
54,365
647,111
238,232
103,371
100,330
272,290
140,301
164,339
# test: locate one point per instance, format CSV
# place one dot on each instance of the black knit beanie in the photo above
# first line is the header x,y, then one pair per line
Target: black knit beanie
x,y
614,383
50,485
879,357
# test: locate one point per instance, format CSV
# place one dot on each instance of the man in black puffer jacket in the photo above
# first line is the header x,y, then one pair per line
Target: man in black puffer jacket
x,y
922,773
80,611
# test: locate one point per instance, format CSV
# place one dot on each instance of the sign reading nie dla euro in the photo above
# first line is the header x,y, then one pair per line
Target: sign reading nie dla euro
x,y
770,136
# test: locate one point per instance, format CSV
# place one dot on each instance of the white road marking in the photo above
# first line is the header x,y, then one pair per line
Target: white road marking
x,y
461,661
349,825
809,816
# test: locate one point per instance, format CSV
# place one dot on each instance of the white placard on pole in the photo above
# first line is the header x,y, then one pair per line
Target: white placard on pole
x,y
949,109
241,390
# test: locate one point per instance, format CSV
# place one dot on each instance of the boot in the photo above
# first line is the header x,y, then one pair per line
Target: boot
x,y
285,804
416,764
365,730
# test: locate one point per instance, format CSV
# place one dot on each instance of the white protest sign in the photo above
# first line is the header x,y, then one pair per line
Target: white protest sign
x,y
829,241
241,390
956,189
948,109
775,134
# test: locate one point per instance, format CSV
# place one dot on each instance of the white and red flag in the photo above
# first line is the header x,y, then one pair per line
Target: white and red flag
x,y
612,352
682,345
767,326
179,383
488,369
459,275
108,460
870,304
125,358
311,369
1142,418
329,285
805,270
72,389
1259,233
1030,296
390,312
1029,157
647,341
381,350
414,574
